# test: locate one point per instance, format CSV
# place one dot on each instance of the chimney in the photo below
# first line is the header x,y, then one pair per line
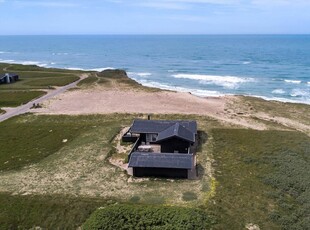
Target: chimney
x,y
149,117
7,76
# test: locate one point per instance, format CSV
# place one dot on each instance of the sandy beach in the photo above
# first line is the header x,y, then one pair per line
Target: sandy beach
x,y
119,98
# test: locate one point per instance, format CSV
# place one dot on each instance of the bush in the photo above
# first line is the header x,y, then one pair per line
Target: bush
x,y
146,217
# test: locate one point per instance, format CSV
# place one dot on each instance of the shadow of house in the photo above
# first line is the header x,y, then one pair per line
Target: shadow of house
x,y
163,148
8,78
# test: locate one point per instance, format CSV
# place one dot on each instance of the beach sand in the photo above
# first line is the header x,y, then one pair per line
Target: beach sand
x,y
116,97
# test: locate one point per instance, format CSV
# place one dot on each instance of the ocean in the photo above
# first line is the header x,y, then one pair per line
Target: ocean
x,y
273,67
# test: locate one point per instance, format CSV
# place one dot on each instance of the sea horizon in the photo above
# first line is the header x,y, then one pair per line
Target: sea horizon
x,y
269,66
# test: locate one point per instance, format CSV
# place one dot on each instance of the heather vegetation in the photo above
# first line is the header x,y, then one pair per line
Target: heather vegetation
x,y
147,217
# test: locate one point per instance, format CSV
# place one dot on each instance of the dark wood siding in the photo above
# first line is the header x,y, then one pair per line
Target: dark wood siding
x,y
174,144
160,172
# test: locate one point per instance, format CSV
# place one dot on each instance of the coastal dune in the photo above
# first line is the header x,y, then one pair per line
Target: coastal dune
x,y
103,101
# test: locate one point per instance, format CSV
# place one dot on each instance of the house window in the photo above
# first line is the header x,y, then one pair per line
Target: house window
x,y
151,137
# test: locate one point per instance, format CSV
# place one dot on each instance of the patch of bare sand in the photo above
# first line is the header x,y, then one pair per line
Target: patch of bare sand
x,y
115,100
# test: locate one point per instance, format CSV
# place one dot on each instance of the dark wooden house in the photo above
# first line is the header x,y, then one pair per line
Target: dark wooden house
x,y
163,148
8,78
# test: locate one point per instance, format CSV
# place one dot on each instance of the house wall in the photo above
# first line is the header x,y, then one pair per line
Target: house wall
x,y
174,144
160,172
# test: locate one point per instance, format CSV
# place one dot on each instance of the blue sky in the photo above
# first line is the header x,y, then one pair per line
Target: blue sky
x,y
154,17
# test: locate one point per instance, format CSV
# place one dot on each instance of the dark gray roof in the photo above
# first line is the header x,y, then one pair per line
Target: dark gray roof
x,y
176,130
157,126
161,160
10,75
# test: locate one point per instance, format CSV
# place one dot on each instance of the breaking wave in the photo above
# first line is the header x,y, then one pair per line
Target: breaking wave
x,y
41,64
197,92
229,82
278,91
300,93
292,81
94,69
139,74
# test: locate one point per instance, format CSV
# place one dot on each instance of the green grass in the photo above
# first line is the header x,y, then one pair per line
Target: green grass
x,y
253,171
147,217
19,67
295,111
34,77
88,81
57,81
29,139
189,196
260,177
47,212
17,98
112,78
31,78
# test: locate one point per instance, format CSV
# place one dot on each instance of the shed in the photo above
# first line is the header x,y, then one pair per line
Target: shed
x,y
171,165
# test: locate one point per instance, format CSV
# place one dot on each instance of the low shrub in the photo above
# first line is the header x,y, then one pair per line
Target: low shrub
x,y
146,217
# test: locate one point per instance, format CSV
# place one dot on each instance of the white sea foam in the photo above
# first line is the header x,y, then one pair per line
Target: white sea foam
x,y
133,74
309,83
7,61
278,91
95,69
230,82
292,81
282,99
246,62
300,93
197,92
99,69
41,64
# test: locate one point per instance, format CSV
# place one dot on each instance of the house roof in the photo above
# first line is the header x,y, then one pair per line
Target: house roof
x,y
157,126
176,130
161,160
10,75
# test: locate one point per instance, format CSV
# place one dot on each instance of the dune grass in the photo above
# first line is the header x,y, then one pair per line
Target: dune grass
x,y
259,173
259,178
114,78
28,139
47,212
83,158
17,98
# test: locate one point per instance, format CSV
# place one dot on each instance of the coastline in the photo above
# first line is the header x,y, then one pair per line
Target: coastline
x,y
113,91
197,92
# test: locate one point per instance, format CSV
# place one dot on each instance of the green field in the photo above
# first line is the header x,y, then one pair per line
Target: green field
x,y
17,98
259,178
32,79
